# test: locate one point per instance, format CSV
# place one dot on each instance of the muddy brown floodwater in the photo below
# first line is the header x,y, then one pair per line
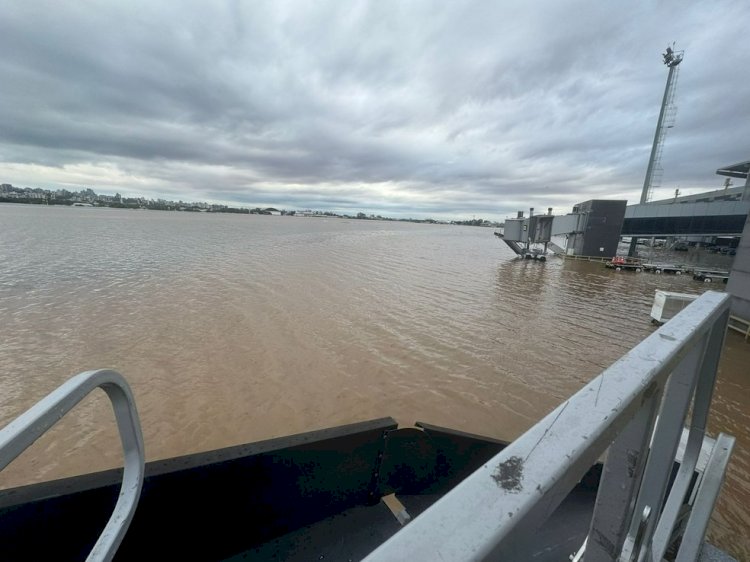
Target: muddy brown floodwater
x,y
237,328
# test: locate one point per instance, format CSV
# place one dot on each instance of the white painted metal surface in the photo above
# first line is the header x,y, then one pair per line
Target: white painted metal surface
x,y
667,304
17,436
642,398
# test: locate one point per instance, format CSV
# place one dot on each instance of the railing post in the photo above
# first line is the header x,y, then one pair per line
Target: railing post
x,y
666,438
621,478
701,407
708,491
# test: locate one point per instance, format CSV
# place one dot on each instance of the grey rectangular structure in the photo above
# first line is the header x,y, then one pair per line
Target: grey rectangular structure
x,y
535,229
514,230
565,224
739,279
540,228
707,218
599,228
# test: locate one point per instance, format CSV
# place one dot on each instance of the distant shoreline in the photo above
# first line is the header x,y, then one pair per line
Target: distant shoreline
x,y
231,210
147,207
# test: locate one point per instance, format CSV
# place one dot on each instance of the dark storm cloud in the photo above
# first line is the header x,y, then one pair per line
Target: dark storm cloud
x,y
466,107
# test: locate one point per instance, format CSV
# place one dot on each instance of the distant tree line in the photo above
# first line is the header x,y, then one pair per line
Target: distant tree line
x,y
87,196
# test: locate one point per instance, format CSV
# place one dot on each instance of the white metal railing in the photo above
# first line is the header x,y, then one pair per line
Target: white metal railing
x,y
635,411
740,325
17,436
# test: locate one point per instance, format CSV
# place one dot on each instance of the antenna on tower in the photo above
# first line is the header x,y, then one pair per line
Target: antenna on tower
x,y
666,121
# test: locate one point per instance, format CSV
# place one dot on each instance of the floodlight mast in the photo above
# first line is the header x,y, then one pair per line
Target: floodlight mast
x,y
671,59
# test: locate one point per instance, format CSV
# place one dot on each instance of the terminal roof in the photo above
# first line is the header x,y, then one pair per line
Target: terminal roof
x,y
735,170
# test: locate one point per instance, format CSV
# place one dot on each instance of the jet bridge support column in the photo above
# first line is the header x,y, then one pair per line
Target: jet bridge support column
x,y
633,243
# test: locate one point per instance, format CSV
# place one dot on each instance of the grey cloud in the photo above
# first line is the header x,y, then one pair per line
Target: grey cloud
x,y
467,107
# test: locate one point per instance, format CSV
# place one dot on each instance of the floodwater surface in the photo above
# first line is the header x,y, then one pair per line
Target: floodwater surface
x,y
235,328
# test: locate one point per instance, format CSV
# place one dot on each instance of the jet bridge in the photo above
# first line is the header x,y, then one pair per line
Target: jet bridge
x,y
592,229
528,237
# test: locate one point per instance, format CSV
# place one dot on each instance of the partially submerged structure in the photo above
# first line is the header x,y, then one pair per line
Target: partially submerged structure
x,y
592,229
700,216
739,279
528,237
667,304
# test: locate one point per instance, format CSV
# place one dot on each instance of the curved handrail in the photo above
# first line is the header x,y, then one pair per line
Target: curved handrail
x,y
18,435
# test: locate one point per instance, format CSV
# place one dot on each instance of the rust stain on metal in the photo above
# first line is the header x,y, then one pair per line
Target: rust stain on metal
x,y
603,541
649,392
508,474
632,461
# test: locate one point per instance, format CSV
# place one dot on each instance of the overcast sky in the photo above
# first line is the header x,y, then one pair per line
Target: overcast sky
x,y
445,109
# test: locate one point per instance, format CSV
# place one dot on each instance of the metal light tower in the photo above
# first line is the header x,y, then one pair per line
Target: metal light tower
x,y
672,60
665,122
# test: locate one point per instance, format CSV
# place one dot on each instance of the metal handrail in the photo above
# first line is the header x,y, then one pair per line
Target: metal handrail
x,y
17,436
634,410
745,330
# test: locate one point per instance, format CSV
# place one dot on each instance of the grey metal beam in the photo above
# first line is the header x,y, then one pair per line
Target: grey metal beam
x,y
739,170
